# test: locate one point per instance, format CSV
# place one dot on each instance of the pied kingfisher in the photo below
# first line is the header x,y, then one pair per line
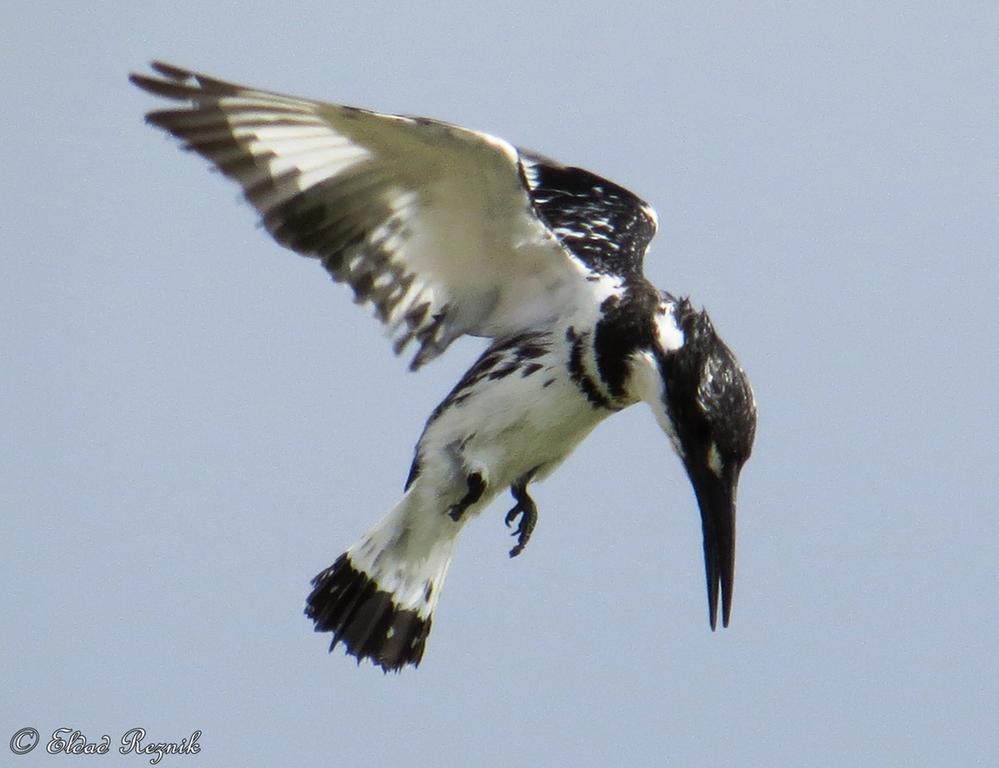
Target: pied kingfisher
x,y
446,231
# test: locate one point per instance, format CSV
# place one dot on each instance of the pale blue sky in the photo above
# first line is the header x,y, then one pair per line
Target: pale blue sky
x,y
196,421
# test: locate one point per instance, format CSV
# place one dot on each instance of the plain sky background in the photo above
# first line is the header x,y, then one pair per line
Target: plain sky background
x,y
195,421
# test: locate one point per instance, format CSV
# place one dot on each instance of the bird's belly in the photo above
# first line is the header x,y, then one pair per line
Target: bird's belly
x,y
513,426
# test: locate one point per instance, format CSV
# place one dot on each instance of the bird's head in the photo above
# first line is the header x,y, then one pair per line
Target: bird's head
x,y
703,401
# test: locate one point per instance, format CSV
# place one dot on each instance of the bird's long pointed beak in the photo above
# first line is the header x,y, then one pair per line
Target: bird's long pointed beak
x,y
716,498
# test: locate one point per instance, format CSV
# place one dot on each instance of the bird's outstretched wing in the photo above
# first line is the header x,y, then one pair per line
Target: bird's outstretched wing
x,y
445,231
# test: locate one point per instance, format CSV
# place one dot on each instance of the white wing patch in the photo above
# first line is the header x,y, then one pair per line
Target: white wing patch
x,y
305,151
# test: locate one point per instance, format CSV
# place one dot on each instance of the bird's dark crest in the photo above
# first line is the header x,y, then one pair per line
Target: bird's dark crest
x,y
705,377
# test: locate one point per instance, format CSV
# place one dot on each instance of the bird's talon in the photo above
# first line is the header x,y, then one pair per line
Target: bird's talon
x,y
527,510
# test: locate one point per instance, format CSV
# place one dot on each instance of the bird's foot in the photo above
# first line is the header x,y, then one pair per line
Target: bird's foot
x,y
476,487
528,512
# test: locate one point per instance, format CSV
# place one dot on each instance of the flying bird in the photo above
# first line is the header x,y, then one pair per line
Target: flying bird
x,y
446,231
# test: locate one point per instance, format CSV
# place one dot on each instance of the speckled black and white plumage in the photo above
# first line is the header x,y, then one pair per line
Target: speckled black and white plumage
x,y
605,226
445,231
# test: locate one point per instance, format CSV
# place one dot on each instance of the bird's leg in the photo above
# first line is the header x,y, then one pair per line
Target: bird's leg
x,y
527,510
476,487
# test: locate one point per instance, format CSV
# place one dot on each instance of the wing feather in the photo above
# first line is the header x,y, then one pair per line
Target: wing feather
x,y
429,223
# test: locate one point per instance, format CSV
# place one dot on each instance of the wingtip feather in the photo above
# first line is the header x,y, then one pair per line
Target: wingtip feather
x,y
171,71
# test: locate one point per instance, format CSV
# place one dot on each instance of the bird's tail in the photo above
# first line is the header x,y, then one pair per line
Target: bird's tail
x,y
378,597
